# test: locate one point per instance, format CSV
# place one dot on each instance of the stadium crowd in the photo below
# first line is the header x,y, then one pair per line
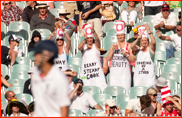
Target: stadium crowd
x,y
90,58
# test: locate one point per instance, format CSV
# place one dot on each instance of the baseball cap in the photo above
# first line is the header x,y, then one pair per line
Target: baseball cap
x,y
165,7
78,81
111,102
47,45
13,37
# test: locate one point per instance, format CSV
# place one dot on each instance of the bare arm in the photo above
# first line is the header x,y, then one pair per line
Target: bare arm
x,y
141,5
158,109
97,106
5,82
80,18
68,43
110,54
81,45
96,39
51,4
174,102
169,27
105,65
71,95
157,27
129,112
131,57
64,111
159,34
13,55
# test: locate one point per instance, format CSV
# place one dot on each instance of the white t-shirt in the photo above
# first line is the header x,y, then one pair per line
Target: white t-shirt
x,y
83,102
177,41
21,114
134,105
171,20
20,51
50,92
71,87
153,3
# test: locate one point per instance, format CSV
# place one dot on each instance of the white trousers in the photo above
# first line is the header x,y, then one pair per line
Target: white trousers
x,y
132,16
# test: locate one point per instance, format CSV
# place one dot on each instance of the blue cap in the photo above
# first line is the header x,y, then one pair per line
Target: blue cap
x,y
78,81
47,45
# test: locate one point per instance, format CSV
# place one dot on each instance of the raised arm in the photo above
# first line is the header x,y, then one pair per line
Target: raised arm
x,y
111,52
68,43
174,102
96,36
81,45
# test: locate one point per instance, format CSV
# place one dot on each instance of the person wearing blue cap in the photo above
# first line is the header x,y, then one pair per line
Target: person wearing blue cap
x,y
49,85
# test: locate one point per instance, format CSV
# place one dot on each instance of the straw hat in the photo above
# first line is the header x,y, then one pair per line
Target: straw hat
x,y
63,11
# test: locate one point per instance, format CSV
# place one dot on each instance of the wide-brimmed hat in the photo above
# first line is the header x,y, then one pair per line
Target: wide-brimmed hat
x,y
161,82
63,11
13,37
42,4
102,51
31,107
136,2
22,108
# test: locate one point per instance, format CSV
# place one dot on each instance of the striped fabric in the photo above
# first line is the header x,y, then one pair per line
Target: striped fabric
x,y
164,93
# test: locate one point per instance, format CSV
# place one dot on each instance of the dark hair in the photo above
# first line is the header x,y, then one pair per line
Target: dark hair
x,y
145,100
176,96
51,61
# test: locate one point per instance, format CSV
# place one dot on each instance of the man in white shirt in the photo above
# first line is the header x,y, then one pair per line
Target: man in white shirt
x,y
176,38
81,100
151,7
139,106
165,19
49,85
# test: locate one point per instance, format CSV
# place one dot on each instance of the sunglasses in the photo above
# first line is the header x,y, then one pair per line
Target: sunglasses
x,y
59,39
69,75
7,3
12,96
154,95
164,10
112,107
178,30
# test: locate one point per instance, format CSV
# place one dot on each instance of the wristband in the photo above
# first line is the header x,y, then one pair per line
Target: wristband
x,y
93,31
80,20
150,33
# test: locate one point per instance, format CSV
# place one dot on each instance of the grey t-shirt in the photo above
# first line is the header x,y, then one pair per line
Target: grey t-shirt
x,y
20,100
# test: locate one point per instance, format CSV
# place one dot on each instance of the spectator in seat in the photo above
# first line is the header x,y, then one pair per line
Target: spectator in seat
x,y
178,100
36,38
10,95
16,108
144,67
139,106
111,109
159,84
152,93
44,19
168,102
14,40
29,11
63,49
132,11
121,55
10,13
107,11
27,85
71,8
151,7
176,38
165,19
31,108
88,13
81,100
96,76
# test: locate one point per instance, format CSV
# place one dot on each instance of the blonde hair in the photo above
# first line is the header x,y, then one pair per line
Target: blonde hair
x,y
151,91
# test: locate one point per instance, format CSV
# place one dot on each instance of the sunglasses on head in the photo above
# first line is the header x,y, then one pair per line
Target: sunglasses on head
x,y
7,3
59,39
178,30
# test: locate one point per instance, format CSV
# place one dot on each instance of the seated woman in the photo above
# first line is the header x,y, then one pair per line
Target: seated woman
x,y
36,37
109,15
132,11
152,93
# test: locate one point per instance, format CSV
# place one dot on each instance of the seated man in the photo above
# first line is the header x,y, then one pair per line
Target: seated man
x,y
10,95
111,109
44,19
165,20
10,13
168,103
81,100
139,106
177,99
159,84
27,85
16,108
176,38
14,41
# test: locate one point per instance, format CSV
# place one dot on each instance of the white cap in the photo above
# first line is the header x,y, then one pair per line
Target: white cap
x,y
141,29
59,33
88,30
120,27
111,102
